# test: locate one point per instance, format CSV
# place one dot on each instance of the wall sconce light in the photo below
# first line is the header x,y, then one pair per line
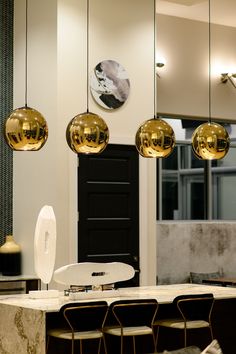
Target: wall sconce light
x,y
160,63
231,77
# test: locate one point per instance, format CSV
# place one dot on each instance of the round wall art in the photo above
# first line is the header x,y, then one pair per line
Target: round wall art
x,y
109,84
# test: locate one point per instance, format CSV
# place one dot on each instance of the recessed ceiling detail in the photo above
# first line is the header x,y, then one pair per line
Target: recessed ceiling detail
x,y
186,2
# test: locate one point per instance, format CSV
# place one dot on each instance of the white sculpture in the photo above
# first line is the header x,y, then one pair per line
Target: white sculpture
x,y
45,250
91,273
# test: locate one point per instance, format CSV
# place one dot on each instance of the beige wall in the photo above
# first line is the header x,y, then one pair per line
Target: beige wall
x,y
183,84
57,87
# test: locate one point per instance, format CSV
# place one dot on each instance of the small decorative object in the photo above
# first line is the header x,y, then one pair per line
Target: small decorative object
x,y
26,129
92,273
45,250
10,253
87,133
155,138
109,84
210,141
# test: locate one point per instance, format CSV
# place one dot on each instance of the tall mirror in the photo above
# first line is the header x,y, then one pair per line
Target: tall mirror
x,y
182,96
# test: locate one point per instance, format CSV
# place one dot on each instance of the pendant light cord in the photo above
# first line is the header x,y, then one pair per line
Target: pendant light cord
x,y
154,58
87,56
209,66
26,52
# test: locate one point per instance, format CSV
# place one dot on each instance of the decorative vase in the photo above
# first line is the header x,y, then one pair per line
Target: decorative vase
x,y
10,253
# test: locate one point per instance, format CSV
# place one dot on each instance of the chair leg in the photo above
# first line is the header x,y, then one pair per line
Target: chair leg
x,y
157,335
154,342
47,345
99,345
104,344
211,331
121,344
134,347
80,347
185,338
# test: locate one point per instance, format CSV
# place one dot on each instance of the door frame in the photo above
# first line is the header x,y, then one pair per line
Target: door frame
x,y
147,213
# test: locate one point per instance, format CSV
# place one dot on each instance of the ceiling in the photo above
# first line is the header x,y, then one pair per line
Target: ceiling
x,y
222,12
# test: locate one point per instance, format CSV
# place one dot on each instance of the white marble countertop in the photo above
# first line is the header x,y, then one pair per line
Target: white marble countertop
x,y
163,293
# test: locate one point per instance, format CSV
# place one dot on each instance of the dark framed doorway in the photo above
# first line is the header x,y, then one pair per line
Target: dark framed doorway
x,y
108,207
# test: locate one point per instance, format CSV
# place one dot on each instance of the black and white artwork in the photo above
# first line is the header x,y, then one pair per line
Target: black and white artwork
x,y
109,84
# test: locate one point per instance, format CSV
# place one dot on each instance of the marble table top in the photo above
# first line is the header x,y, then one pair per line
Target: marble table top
x,y
164,294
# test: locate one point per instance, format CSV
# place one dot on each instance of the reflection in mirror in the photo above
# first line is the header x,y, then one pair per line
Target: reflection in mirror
x,y
184,184
182,39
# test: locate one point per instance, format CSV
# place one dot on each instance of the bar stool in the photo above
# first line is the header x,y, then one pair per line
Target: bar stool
x,y
83,321
134,318
194,313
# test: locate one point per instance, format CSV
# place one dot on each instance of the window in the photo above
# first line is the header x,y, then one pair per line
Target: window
x,y
192,189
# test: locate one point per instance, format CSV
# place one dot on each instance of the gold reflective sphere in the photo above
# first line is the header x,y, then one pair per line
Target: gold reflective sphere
x,y
210,141
26,130
87,133
155,138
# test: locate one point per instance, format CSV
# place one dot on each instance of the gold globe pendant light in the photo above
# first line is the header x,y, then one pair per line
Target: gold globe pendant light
x,y
87,133
155,137
26,128
210,141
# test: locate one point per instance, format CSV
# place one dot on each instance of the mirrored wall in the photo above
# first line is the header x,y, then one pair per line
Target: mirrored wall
x,y
188,187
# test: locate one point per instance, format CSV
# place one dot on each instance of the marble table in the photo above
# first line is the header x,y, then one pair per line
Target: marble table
x,y
23,320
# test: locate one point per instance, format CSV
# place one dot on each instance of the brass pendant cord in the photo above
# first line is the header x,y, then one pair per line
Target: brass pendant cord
x,y
209,65
26,52
87,56
154,59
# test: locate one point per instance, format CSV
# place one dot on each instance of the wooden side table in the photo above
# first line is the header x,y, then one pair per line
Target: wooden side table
x,y
18,284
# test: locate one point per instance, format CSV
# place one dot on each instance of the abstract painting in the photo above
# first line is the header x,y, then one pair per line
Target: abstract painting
x,y
109,84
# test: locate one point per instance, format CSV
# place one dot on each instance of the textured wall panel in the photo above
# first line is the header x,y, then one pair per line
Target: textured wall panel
x,y
203,247
6,103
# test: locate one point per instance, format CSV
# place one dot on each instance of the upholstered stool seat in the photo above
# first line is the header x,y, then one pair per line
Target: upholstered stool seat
x,y
177,323
194,313
65,334
130,331
133,318
83,321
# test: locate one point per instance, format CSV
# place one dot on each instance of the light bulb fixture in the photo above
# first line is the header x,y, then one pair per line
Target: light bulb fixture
x,y
87,133
225,77
210,141
155,137
25,129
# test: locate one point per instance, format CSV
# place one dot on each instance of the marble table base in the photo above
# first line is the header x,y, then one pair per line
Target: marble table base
x,y
21,329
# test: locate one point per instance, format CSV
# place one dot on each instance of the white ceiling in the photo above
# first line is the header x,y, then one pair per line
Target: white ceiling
x,y
223,12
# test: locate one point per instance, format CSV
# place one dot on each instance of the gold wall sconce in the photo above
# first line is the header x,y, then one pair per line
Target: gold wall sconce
x,y
225,77
160,64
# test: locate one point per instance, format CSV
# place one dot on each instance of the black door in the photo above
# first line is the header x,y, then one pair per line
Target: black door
x,y
108,205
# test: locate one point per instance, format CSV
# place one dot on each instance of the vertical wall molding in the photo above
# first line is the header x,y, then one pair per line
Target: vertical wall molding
x,y
6,106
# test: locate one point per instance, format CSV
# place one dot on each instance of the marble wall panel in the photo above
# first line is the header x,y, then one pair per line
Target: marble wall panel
x,y
23,329
194,246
